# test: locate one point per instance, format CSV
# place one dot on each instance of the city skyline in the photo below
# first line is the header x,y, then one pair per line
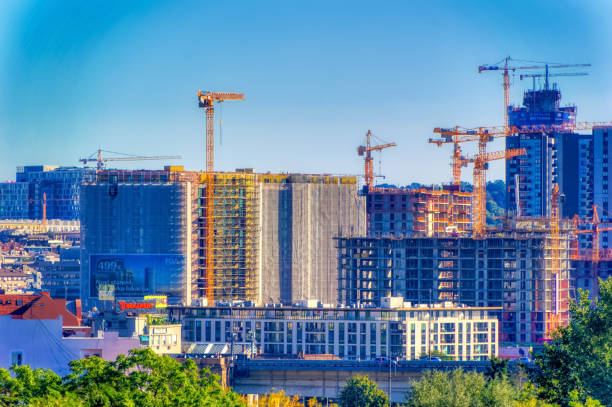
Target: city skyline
x,y
315,79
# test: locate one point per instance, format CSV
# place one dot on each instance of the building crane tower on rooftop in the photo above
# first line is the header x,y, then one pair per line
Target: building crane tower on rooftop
x,y
206,100
595,254
366,152
479,194
100,161
547,75
483,135
43,202
506,66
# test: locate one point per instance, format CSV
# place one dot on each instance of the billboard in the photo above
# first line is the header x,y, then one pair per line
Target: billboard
x,y
106,292
137,275
161,301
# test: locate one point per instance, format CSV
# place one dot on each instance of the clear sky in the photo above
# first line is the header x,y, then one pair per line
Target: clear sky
x,y
123,75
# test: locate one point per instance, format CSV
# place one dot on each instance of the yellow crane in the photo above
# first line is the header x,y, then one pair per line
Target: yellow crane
x,y
99,160
206,100
366,152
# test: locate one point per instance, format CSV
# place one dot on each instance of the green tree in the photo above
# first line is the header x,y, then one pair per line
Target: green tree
x,y
578,359
459,389
140,379
497,369
28,384
360,391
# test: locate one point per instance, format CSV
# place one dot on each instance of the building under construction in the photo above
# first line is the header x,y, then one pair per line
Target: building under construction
x,y
138,230
418,212
301,214
522,268
148,232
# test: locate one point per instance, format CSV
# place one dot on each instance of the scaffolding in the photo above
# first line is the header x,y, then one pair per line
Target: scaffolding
x,y
553,285
441,212
234,240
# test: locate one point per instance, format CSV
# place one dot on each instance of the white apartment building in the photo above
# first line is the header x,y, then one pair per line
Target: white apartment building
x,y
397,330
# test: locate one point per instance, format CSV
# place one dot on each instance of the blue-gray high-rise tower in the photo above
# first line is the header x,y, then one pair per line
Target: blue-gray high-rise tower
x,y
535,173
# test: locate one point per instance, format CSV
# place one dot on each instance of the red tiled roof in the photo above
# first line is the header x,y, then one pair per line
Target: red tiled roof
x,y
40,306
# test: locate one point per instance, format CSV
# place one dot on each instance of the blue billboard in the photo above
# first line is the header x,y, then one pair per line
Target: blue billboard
x,y
137,275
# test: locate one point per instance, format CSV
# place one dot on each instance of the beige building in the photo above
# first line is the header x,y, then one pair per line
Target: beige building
x,y
13,282
162,339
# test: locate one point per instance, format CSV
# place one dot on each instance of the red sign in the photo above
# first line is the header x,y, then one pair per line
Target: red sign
x,y
135,305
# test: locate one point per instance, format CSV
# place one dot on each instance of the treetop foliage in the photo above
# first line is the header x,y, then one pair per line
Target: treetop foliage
x,y
361,391
140,379
576,364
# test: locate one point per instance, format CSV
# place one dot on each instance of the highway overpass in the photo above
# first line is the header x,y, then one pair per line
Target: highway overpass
x,y
326,378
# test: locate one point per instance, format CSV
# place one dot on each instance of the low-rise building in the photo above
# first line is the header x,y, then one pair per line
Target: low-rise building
x,y
42,343
38,307
14,281
153,331
405,332
62,277
162,338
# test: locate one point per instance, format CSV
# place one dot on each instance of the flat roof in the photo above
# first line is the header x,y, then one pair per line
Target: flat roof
x,y
285,308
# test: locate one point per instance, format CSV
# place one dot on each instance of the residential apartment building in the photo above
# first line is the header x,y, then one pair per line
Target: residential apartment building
x,y
513,270
60,185
15,281
601,193
148,232
534,174
418,211
61,277
139,234
397,331
14,200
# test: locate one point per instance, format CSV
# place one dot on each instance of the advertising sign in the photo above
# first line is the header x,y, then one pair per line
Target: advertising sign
x,y
137,275
135,305
106,292
161,301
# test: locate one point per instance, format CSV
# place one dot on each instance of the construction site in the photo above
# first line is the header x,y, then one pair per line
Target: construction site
x,y
203,237
271,238
433,244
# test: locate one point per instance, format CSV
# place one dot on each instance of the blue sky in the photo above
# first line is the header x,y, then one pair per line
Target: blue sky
x,y
75,75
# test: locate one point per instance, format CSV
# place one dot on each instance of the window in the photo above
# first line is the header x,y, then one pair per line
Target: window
x,y
16,358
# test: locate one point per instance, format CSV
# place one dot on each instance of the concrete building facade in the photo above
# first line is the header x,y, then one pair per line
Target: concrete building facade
x,y
136,234
14,200
300,216
536,172
400,331
146,233
513,271
417,212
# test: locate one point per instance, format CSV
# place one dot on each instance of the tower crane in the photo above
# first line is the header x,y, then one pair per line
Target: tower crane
x,y
506,66
596,254
206,100
99,160
546,75
553,318
479,193
366,152
43,202
483,135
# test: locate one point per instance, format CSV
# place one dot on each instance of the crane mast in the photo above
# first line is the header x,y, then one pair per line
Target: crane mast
x,y
505,66
99,160
479,194
206,101
366,152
